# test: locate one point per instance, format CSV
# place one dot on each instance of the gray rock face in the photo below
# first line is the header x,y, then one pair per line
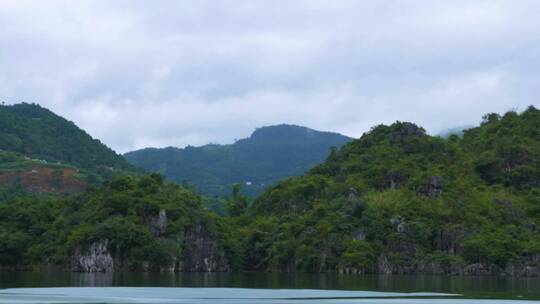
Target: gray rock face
x,y
359,235
323,259
481,270
202,252
407,130
524,267
95,258
354,195
433,188
400,224
158,224
449,240
384,266
394,180
198,250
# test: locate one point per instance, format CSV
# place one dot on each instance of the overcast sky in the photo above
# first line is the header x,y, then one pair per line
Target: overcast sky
x,y
159,73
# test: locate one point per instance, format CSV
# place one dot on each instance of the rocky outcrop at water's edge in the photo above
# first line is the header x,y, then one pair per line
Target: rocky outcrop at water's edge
x,y
200,252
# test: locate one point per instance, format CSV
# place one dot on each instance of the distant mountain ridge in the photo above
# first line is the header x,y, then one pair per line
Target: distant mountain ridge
x,y
271,153
459,130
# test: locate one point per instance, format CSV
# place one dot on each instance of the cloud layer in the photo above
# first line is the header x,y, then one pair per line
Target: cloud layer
x,y
160,73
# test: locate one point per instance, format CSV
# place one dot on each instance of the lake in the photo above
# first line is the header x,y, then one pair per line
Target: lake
x,y
50,287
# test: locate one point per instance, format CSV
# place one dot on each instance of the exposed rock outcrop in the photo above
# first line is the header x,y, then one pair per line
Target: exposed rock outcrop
x,y
433,188
524,267
449,240
198,251
394,180
479,269
202,252
360,235
353,195
96,258
383,265
158,224
406,130
399,223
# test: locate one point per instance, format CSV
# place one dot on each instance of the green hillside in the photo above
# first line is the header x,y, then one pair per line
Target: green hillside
x,y
127,224
267,156
400,201
395,201
38,133
43,153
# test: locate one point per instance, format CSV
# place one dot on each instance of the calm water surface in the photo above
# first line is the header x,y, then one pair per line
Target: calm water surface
x,y
50,287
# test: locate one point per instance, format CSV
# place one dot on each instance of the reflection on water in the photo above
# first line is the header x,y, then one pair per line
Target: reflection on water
x,y
471,287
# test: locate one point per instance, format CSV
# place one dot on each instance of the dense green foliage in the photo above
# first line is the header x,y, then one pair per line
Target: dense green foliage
x,y
238,203
267,156
38,133
506,149
395,200
37,231
408,198
42,153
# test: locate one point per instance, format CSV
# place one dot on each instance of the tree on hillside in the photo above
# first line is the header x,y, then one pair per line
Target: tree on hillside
x,y
238,202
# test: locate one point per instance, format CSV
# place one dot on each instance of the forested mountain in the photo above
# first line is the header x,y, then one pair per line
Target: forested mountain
x,y
268,155
394,201
38,133
43,153
400,201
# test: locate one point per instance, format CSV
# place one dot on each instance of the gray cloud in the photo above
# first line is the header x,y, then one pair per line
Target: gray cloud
x,y
140,73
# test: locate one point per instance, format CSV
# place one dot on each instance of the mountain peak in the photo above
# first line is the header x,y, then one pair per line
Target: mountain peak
x,y
279,131
268,155
290,133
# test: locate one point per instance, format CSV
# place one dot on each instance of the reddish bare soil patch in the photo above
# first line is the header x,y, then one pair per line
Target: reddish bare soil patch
x,y
45,180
